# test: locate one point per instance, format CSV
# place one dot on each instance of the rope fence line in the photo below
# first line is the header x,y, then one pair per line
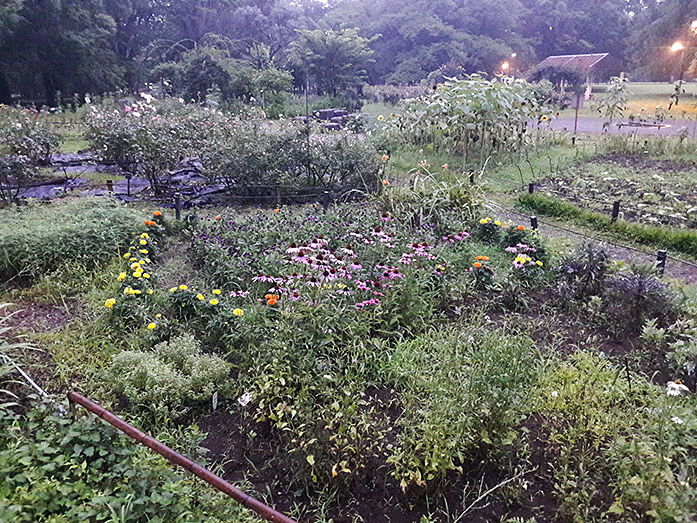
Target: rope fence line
x,y
589,237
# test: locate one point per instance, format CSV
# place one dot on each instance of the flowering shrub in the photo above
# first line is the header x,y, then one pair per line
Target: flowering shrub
x,y
25,143
148,138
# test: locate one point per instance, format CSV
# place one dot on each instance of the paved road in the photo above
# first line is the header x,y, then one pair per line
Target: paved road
x,y
595,125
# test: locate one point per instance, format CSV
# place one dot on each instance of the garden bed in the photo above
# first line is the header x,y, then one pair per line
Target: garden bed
x,y
650,191
365,364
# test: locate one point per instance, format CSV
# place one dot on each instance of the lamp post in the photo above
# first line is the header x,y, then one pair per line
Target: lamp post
x,y
678,46
505,66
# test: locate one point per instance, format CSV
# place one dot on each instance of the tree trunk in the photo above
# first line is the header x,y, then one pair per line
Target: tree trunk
x,y
5,93
50,87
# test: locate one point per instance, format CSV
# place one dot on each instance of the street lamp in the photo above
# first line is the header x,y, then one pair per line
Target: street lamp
x,y
505,66
678,46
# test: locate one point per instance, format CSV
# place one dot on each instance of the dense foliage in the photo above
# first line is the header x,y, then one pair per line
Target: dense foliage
x,y
469,116
58,469
36,240
52,50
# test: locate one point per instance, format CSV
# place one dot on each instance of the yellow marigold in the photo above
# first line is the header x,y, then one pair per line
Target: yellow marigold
x,y
538,262
145,236
183,287
484,220
214,302
143,242
173,289
137,274
127,255
150,291
121,276
216,291
146,275
110,303
151,326
135,265
200,297
544,118
497,223
143,251
133,260
136,291
238,312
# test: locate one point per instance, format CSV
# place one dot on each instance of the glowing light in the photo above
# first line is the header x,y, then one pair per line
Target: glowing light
x,y
677,46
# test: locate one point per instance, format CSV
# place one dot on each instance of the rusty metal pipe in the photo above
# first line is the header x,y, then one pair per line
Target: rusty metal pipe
x,y
206,475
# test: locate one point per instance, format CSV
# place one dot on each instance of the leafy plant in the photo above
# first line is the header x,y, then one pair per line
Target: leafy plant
x,y
173,376
58,469
583,273
37,240
631,299
465,393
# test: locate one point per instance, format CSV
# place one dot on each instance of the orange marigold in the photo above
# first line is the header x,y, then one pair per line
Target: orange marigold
x,y
272,301
157,214
521,228
477,264
150,222
482,258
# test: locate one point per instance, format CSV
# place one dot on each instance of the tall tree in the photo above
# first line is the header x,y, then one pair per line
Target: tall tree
x,y
63,45
9,17
334,60
655,27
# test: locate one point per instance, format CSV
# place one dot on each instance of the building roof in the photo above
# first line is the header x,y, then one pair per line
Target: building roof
x,y
581,62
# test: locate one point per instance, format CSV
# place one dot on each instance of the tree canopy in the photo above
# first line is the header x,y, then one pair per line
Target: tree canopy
x,y
51,47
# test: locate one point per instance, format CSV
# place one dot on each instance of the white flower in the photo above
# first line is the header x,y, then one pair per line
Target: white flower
x,y
676,388
677,420
245,399
555,394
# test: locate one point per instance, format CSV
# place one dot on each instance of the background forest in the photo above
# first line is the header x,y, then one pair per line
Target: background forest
x,y
248,48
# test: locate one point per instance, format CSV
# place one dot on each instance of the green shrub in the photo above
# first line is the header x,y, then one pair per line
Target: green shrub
x,y
631,299
39,239
465,394
251,154
169,379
